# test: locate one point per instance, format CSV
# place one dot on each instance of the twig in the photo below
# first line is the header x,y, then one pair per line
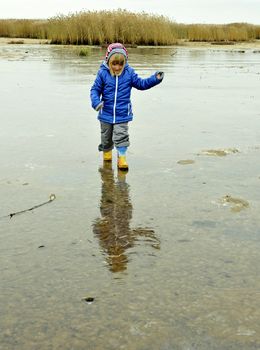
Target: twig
x,y
51,198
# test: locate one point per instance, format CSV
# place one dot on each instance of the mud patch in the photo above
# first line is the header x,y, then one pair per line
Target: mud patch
x,y
236,204
186,161
222,152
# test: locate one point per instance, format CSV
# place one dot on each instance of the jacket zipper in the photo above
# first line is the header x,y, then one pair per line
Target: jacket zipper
x,y
114,119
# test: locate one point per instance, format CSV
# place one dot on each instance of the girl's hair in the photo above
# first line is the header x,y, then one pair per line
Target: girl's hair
x,y
119,57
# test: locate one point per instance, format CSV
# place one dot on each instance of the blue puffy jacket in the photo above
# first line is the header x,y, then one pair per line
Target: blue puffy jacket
x,y
115,93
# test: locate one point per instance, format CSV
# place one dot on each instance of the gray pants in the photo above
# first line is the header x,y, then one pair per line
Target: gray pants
x,y
113,134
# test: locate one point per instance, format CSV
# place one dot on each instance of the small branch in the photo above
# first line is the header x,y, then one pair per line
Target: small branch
x,y
51,199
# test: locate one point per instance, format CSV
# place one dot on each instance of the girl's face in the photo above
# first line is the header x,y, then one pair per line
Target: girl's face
x,y
116,64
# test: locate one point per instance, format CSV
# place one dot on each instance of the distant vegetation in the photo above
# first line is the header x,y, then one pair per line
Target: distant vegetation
x,y
97,28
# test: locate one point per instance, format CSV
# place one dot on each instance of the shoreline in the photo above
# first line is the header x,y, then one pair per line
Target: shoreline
x,y
23,41
181,43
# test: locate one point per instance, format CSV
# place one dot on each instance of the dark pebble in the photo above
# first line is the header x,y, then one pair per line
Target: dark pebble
x,y
88,300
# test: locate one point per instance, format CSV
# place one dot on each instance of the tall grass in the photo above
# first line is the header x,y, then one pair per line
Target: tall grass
x,y
228,32
95,28
23,28
102,27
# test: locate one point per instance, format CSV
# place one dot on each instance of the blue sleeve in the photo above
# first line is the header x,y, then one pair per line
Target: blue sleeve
x,y
96,90
144,84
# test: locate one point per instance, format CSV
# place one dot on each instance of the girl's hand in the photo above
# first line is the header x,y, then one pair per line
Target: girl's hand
x,y
160,75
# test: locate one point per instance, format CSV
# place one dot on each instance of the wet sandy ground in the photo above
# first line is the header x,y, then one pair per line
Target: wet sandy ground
x,y
165,257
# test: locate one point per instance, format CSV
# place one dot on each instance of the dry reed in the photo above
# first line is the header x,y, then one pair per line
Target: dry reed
x,y
102,27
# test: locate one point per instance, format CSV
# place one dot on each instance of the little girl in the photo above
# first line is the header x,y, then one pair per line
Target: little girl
x,y
110,96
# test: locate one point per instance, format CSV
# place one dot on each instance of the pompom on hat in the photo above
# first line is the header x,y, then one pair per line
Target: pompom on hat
x,y
116,48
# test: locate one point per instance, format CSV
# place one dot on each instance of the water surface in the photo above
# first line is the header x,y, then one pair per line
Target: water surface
x,y
167,262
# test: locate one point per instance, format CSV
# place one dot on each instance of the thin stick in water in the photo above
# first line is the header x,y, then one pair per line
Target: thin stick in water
x,y
51,199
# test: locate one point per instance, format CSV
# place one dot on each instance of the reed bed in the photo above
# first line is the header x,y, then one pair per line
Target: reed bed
x,y
97,28
23,28
229,32
102,27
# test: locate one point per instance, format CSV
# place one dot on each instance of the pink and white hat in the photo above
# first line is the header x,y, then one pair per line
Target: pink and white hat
x,y
116,48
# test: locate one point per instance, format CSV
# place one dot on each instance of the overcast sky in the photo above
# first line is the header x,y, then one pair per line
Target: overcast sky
x,y
182,11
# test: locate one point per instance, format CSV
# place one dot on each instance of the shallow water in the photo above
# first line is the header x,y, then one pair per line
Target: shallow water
x,y
168,263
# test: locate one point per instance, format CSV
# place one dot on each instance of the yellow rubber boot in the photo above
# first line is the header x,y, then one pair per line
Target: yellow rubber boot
x,y
122,163
107,156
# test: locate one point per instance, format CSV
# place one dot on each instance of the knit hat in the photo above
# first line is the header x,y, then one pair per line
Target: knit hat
x,y
116,48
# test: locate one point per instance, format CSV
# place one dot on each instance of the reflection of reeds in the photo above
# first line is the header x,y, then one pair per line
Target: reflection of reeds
x,y
97,28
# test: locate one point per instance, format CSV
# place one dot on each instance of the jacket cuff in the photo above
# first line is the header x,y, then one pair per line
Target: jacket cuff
x,y
97,108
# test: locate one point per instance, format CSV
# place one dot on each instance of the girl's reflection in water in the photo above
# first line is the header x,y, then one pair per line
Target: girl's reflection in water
x,y
113,228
